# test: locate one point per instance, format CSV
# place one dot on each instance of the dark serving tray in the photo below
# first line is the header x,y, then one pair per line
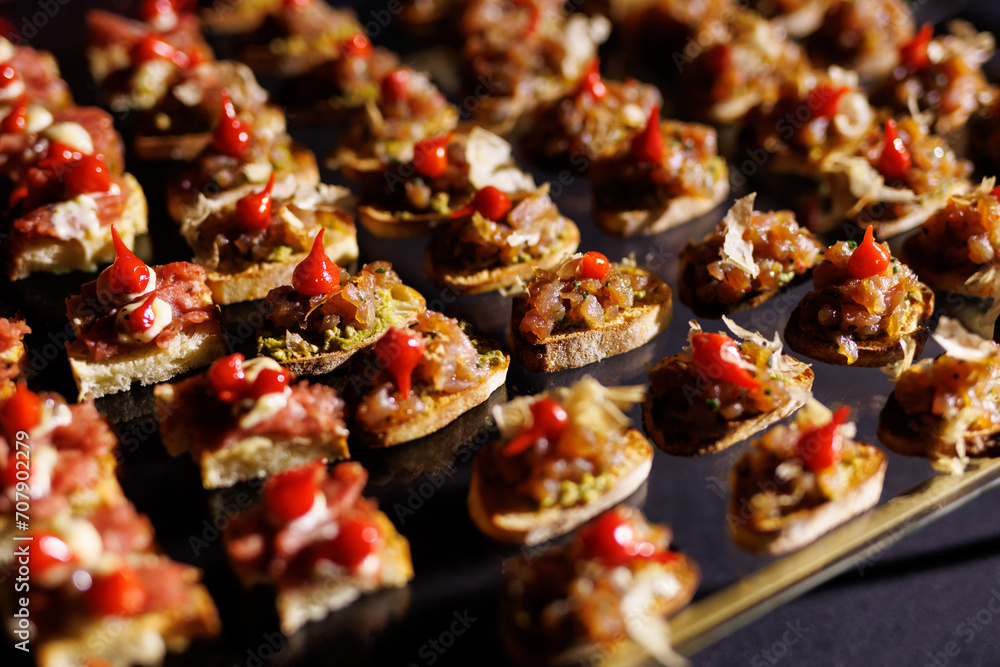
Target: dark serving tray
x,y
447,615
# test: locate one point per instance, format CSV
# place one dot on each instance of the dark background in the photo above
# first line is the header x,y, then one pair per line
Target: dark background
x,y
912,604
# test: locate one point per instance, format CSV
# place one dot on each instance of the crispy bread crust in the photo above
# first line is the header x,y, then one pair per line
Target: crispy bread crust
x,y
809,338
509,519
920,435
633,328
385,225
670,437
804,526
676,212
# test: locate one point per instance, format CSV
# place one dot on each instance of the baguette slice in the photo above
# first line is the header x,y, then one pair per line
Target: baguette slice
x,y
784,534
300,605
385,225
55,255
674,437
443,409
675,212
634,327
195,346
687,284
319,364
175,148
513,521
923,435
464,280
810,338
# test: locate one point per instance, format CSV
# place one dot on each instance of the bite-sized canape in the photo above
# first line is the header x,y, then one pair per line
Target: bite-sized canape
x,y
801,480
899,176
330,90
179,125
863,35
744,65
867,308
947,409
134,63
942,76
748,258
64,207
956,249
102,593
497,240
34,75
420,378
244,419
254,247
13,357
818,119
616,580
139,323
296,36
562,458
671,174
411,198
518,55
720,391
245,150
409,107
595,120
59,458
318,542
323,317
585,310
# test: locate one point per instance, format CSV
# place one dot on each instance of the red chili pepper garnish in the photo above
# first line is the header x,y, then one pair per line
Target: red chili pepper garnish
x,y
647,146
594,265
316,274
996,192
718,357
611,540
226,378
16,120
268,381
152,11
129,274
290,494
357,538
914,54
491,203
119,593
358,46
21,412
254,210
869,258
142,318
820,447
396,85
88,174
430,156
297,4
548,420
58,153
591,83
824,99
400,350
8,475
8,77
47,551
895,159
232,136
153,47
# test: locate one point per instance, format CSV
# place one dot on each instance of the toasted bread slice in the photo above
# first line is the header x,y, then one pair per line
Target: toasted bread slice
x,y
783,534
464,280
634,327
514,521
254,282
385,225
54,255
686,286
810,338
938,277
676,212
674,436
441,409
176,148
195,346
298,606
922,435
318,364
